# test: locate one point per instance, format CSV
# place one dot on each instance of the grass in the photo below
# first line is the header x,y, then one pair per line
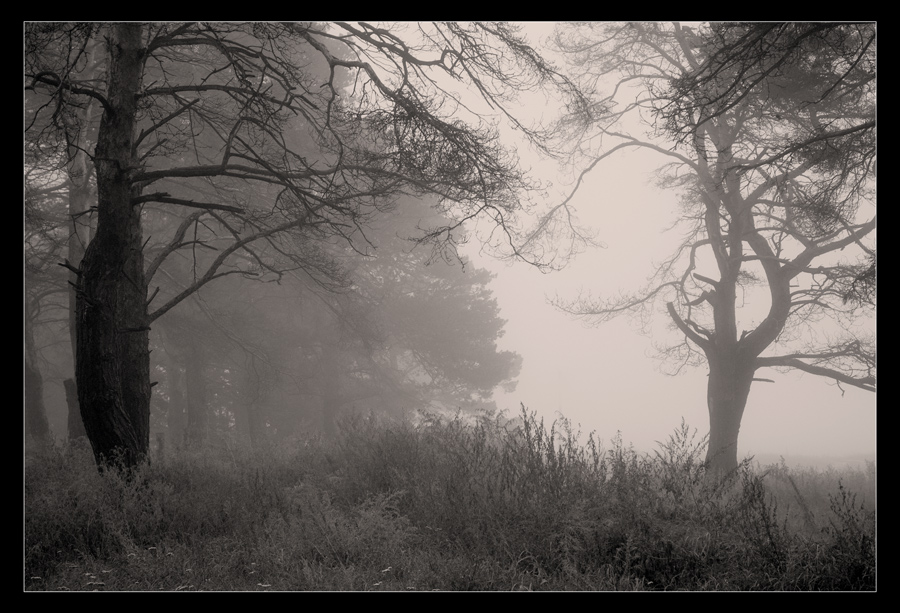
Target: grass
x,y
448,504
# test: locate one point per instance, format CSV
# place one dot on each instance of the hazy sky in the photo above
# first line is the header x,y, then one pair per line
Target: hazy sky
x,y
606,378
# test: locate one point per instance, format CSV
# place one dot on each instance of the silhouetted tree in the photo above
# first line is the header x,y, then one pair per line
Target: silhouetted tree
x,y
770,134
280,138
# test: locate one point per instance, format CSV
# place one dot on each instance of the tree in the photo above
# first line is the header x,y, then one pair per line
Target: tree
x,y
44,284
407,332
771,140
279,138
58,171
440,322
37,426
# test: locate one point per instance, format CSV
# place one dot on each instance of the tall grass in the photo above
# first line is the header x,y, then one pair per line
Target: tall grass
x,y
447,504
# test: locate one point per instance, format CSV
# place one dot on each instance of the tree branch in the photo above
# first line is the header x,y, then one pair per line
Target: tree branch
x,y
867,383
698,340
166,199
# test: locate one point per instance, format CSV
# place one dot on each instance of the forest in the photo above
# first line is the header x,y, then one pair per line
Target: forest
x,y
257,357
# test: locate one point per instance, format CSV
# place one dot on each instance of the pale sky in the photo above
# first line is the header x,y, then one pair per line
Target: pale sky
x,y
606,378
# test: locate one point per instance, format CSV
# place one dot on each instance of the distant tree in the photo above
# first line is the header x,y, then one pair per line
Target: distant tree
x,y
36,425
770,134
44,283
407,332
441,323
59,172
279,138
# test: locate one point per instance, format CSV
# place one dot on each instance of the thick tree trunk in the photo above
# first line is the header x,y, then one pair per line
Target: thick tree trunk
x,y
112,364
730,378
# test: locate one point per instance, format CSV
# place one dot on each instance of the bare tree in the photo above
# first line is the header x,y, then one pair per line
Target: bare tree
x,y
769,130
37,425
260,143
59,173
44,288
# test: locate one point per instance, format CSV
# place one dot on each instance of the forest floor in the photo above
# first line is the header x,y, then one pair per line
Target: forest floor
x,y
448,504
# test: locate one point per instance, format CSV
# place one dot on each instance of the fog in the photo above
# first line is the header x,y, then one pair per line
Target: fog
x,y
449,306
609,378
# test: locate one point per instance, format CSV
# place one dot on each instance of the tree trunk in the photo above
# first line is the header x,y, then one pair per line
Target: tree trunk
x,y
253,419
112,363
81,197
35,412
330,381
176,420
76,425
195,387
730,377
330,414
250,398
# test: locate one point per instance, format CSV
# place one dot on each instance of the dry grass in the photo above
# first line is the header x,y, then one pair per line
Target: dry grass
x,y
445,505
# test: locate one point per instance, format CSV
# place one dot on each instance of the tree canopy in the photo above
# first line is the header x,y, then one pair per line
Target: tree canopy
x,y
254,149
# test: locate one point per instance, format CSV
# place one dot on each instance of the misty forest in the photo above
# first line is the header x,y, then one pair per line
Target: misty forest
x,y
262,350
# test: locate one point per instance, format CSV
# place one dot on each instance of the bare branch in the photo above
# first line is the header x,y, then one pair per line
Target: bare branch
x,y
863,382
167,199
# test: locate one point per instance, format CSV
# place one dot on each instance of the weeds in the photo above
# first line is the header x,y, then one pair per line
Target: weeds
x,y
447,504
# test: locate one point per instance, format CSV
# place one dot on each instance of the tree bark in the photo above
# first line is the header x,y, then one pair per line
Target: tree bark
x,y
112,364
730,378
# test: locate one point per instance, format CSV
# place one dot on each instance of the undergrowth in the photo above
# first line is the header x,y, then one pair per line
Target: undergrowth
x,y
446,504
